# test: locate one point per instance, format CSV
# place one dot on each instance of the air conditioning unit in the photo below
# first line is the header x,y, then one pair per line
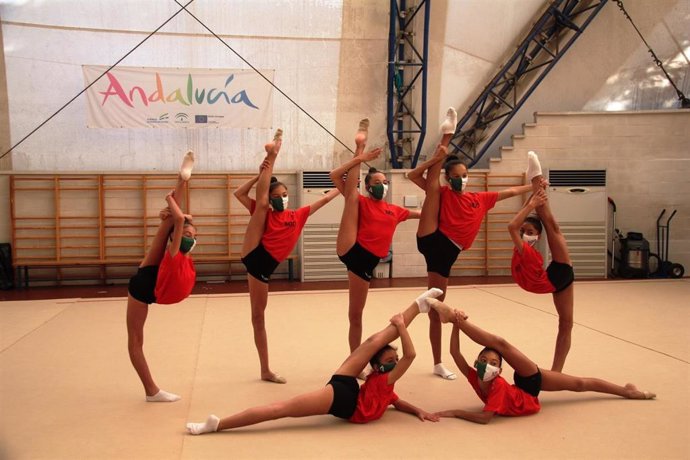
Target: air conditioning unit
x,y
578,201
319,260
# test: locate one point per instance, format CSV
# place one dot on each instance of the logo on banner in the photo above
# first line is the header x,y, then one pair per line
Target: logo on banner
x,y
133,97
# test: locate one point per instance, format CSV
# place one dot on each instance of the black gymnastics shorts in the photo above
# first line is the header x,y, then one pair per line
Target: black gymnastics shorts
x,y
360,262
260,264
439,252
345,393
142,286
530,385
560,275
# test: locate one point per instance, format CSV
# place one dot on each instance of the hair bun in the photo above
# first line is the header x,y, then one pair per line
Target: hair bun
x,y
372,170
274,179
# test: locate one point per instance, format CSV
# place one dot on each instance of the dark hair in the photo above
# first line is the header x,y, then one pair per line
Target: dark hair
x,y
187,223
275,183
374,361
370,174
500,357
450,162
535,222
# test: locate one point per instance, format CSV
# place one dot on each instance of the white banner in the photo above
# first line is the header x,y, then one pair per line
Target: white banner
x,y
149,97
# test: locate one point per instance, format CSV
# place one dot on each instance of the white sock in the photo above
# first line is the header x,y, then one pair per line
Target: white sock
x,y
209,426
533,166
421,300
451,122
163,396
443,372
187,165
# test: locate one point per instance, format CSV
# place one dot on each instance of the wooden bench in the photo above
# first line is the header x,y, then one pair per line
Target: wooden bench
x,y
22,266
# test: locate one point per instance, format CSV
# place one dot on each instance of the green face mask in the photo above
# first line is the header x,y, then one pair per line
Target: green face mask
x,y
486,371
378,191
187,244
385,368
279,203
457,183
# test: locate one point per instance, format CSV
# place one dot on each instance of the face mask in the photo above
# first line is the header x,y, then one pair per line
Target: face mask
x,y
458,184
530,239
187,244
385,368
378,191
280,203
486,371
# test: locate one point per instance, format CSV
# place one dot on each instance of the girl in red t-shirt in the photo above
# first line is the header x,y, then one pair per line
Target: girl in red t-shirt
x,y
366,227
342,396
271,235
499,396
451,218
527,266
165,276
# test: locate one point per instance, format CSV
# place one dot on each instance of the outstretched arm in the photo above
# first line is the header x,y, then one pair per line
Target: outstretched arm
x,y
178,219
409,353
338,173
515,224
409,408
242,192
519,190
417,174
318,204
482,417
415,214
514,191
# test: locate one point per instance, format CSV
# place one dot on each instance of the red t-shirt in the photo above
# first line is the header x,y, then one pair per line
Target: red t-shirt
x,y
528,271
375,395
461,214
176,278
377,222
503,398
282,230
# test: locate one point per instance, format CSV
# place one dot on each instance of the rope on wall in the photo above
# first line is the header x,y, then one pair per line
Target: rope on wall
x,y
183,8
263,76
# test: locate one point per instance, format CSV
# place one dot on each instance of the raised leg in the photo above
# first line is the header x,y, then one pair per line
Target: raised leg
x,y
184,175
563,301
428,222
347,232
556,381
360,357
258,296
257,221
155,254
358,290
514,357
557,242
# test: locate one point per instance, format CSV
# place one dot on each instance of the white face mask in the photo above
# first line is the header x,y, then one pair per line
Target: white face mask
x,y
458,183
285,202
486,371
530,239
378,191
